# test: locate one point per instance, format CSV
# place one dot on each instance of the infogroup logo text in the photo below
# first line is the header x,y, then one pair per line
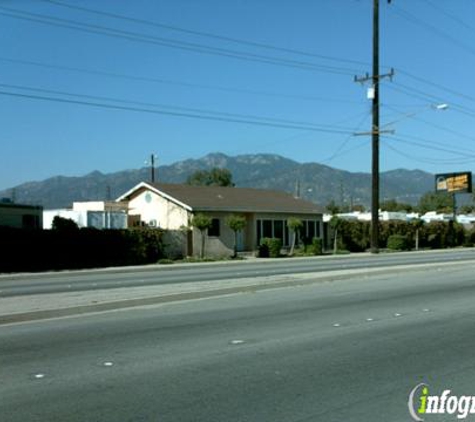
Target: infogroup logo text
x,y
421,403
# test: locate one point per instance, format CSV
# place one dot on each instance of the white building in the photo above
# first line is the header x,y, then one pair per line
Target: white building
x,y
97,214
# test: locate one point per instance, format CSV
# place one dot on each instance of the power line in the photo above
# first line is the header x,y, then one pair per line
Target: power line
x,y
167,106
426,160
417,93
171,43
434,125
450,16
172,113
338,152
174,82
430,146
438,86
202,34
429,143
415,20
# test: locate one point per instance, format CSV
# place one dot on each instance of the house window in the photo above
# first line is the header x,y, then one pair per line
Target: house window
x,y
279,229
214,230
311,232
267,228
273,228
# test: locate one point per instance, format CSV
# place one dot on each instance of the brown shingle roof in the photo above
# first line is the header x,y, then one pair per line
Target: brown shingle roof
x,y
217,198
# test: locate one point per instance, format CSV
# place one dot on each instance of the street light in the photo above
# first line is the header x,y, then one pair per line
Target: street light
x,y
436,107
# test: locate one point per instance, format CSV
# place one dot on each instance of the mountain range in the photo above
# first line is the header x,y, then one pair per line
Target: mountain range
x,y
312,181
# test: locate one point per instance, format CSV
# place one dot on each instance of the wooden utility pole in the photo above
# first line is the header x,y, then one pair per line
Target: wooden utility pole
x,y
375,130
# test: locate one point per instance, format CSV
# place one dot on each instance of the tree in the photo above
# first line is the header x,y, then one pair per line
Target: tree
x,y
214,177
467,209
61,223
202,223
294,225
358,208
417,224
436,201
335,224
236,223
333,208
392,205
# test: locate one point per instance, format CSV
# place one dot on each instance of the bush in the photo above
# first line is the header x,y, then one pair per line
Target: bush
x,y
316,248
398,242
271,246
263,250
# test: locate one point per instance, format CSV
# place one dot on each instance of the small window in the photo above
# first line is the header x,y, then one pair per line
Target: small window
x,y
214,230
311,229
267,228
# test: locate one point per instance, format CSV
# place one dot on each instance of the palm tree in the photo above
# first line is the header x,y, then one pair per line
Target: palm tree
x,y
335,224
294,225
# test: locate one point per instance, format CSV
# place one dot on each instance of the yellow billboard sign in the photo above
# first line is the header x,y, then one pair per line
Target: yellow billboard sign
x,y
454,182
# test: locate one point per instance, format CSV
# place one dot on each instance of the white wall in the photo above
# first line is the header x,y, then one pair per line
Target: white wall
x,y
48,217
157,211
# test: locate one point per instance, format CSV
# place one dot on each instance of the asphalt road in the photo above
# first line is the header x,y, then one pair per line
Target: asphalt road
x,y
349,350
77,281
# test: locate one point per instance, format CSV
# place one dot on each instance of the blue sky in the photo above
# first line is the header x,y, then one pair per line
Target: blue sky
x,y
99,85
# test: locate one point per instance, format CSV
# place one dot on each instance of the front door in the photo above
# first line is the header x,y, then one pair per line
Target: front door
x,y
240,241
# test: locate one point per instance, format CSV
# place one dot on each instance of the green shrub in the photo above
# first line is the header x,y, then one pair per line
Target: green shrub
x,y
398,242
274,247
316,248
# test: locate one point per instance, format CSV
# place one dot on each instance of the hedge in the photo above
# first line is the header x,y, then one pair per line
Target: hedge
x,y
398,242
355,235
41,250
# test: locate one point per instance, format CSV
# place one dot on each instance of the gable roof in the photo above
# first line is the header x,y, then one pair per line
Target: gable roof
x,y
230,199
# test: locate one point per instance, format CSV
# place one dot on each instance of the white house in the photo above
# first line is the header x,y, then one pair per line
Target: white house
x,y
172,206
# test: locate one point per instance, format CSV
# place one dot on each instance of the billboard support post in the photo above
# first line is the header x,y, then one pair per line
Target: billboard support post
x,y
454,206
